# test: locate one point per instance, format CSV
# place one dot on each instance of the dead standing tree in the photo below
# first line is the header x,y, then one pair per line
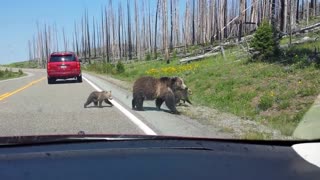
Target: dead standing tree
x,y
165,30
171,26
193,23
254,15
129,32
241,18
112,31
65,44
149,28
155,31
76,39
137,30
88,36
107,34
225,18
284,13
83,39
103,42
94,38
176,23
119,29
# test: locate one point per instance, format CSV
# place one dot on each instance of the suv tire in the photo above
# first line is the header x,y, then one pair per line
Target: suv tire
x,y
79,79
51,80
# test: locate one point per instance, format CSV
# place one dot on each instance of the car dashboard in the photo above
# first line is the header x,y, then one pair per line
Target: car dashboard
x,y
154,159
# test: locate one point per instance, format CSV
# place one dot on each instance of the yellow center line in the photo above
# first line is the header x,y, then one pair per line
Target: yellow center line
x,y
3,95
20,89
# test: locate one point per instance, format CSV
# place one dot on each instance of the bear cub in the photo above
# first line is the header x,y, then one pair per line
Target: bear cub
x,y
98,97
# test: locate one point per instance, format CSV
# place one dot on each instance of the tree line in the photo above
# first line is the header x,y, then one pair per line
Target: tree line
x,y
134,29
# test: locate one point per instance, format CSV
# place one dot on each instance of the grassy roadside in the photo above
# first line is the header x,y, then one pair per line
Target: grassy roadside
x,y
276,95
23,64
9,74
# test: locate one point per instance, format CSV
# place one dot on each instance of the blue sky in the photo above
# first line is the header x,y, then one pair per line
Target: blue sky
x,y
18,19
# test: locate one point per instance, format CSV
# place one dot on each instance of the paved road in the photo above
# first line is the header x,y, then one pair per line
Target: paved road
x,y
309,125
29,106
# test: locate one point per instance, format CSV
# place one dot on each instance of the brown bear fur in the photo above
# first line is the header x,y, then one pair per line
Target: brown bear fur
x,y
159,89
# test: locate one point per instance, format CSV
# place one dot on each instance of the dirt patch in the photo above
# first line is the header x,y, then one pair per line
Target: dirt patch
x,y
237,126
295,106
255,101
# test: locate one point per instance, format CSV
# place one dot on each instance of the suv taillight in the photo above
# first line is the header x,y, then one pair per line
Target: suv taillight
x,y
48,66
78,65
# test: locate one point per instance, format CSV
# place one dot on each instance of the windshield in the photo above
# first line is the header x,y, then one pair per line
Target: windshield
x,y
59,58
224,69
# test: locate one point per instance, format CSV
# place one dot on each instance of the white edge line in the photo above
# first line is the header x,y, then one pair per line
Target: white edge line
x,y
147,130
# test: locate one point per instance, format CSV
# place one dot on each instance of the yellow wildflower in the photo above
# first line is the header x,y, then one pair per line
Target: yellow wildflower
x,y
271,93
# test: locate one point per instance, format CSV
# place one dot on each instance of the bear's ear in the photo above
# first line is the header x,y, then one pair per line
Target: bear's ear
x,y
174,79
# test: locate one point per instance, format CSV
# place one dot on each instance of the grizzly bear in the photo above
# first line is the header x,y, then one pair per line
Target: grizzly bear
x,y
159,89
98,97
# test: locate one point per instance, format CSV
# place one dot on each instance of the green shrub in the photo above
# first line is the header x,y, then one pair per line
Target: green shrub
x,y
301,62
104,68
107,68
174,55
266,102
265,42
148,56
10,73
120,67
20,72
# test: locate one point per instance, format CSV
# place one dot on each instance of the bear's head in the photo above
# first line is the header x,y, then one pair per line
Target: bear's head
x,y
107,94
177,83
183,94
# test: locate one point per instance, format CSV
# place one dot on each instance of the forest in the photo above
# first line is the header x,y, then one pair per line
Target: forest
x,y
134,30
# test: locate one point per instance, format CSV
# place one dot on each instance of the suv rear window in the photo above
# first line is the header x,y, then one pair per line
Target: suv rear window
x,y
60,58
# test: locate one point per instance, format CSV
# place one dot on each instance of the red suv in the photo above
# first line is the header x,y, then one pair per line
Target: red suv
x,y
63,65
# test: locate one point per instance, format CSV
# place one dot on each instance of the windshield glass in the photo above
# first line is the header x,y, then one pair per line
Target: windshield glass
x,y
59,58
191,68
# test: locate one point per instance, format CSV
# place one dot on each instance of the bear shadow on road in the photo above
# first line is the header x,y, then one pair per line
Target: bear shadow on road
x,y
151,109
155,109
98,106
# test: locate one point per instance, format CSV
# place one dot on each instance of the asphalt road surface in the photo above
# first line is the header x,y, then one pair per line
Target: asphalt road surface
x,y
30,106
